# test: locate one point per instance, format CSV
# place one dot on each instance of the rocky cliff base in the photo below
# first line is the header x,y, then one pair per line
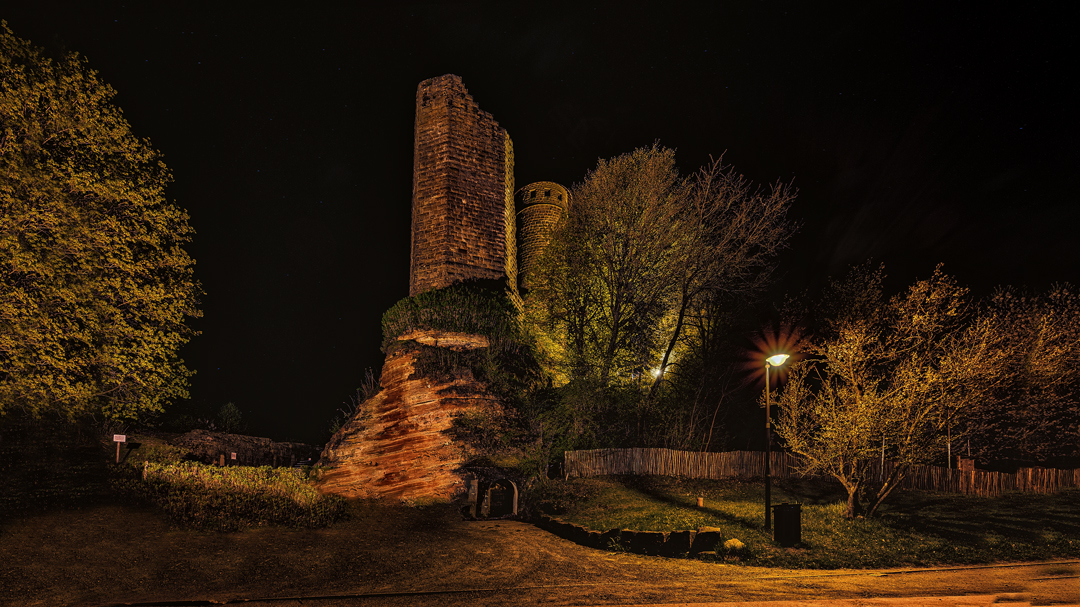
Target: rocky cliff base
x,y
399,443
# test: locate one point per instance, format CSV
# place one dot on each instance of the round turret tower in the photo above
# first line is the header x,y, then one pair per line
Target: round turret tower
x,y
540,205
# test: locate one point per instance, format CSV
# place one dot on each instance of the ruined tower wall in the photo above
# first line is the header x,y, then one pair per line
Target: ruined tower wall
x,y
540,206
463,185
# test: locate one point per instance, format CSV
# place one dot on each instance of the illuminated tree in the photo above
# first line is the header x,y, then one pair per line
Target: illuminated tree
x,y
230,417
638,273
641,248
607,270
1034,414
96,285
729,238
887,379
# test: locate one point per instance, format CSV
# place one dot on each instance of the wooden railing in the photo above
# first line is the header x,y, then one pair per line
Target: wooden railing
x,y
749,464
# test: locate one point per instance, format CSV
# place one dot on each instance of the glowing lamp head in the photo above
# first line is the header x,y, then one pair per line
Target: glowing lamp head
x,y
776,360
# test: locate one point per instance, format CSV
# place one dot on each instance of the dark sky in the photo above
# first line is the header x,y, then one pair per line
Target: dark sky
x,y
915,136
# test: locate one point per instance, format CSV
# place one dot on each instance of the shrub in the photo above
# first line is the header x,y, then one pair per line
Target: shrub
x,y
230,499
464,307
230,418
159,453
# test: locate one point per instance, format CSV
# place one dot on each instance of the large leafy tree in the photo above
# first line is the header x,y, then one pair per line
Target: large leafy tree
x,y
96,286
609,266
1034,414
888,379
635,281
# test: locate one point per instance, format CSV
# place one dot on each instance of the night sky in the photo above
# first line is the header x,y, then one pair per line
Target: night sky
x,y
943,133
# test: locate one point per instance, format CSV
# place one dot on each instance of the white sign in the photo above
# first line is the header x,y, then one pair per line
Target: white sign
x,y
119,438
233,456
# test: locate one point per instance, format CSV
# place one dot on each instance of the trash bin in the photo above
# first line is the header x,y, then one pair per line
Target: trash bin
x,y
787,524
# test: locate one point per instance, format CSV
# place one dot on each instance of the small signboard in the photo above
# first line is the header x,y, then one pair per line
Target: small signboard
x,y
233,456
119,438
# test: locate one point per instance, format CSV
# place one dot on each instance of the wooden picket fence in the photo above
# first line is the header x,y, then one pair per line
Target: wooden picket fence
x,y
748,464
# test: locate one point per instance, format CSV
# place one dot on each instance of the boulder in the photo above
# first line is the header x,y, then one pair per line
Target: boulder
x,y
607,537
648,542
706,539
579,535
678,543
594,539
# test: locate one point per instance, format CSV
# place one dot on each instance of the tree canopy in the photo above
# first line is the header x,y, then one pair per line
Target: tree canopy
x,y
1034,413
97,287
904,379
638,285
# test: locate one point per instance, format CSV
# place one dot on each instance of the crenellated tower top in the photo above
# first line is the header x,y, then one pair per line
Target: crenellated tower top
x,y
540,205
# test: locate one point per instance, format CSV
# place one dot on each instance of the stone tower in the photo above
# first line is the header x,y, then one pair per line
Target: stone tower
x,y
399,444
463,191
540,206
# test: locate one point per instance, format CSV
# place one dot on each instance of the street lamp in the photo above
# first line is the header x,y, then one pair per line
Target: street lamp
x,y
773,361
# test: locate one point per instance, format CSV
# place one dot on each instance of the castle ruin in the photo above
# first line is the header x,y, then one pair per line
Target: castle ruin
x,y
466,225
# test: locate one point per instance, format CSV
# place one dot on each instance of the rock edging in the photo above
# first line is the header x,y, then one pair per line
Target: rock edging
x,y
678,544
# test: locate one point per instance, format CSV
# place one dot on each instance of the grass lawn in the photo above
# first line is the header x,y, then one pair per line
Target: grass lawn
x,y
913,528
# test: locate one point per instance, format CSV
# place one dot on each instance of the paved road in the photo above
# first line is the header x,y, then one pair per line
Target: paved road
x,y
1016,585
387,557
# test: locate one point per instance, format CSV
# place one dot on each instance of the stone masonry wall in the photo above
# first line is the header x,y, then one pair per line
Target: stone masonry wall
x,y
462,206
208,447
540,206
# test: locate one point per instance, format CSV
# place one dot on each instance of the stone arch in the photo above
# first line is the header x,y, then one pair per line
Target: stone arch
x,y
501,499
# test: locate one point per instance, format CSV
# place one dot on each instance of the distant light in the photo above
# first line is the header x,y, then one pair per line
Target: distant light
x,y
655,373
776,359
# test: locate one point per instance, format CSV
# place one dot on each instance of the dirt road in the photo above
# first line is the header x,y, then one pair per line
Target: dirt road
x,y
111,554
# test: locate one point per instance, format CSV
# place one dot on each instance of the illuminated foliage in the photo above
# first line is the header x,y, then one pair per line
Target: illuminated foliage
x,y
1034,413
466,307
639,283
230,417
235,497
887,379
96,287
605,276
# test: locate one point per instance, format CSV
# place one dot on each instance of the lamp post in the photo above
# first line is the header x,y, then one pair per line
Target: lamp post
x,y
773,361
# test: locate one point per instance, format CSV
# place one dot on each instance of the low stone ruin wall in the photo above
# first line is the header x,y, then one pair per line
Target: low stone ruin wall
x,y
208,447
693,544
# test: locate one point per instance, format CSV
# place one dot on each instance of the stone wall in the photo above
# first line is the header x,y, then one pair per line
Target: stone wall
x,y
208,447
540,206
700,543
463,184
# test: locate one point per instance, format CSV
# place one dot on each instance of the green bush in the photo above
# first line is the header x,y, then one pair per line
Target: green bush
x,y
233,498
230,418
464,308
159,453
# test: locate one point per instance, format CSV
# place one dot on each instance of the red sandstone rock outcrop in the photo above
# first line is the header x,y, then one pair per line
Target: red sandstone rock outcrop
x,y
397,445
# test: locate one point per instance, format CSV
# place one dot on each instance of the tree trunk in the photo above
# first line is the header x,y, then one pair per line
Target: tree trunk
x,y
853,508
891,483
685,301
